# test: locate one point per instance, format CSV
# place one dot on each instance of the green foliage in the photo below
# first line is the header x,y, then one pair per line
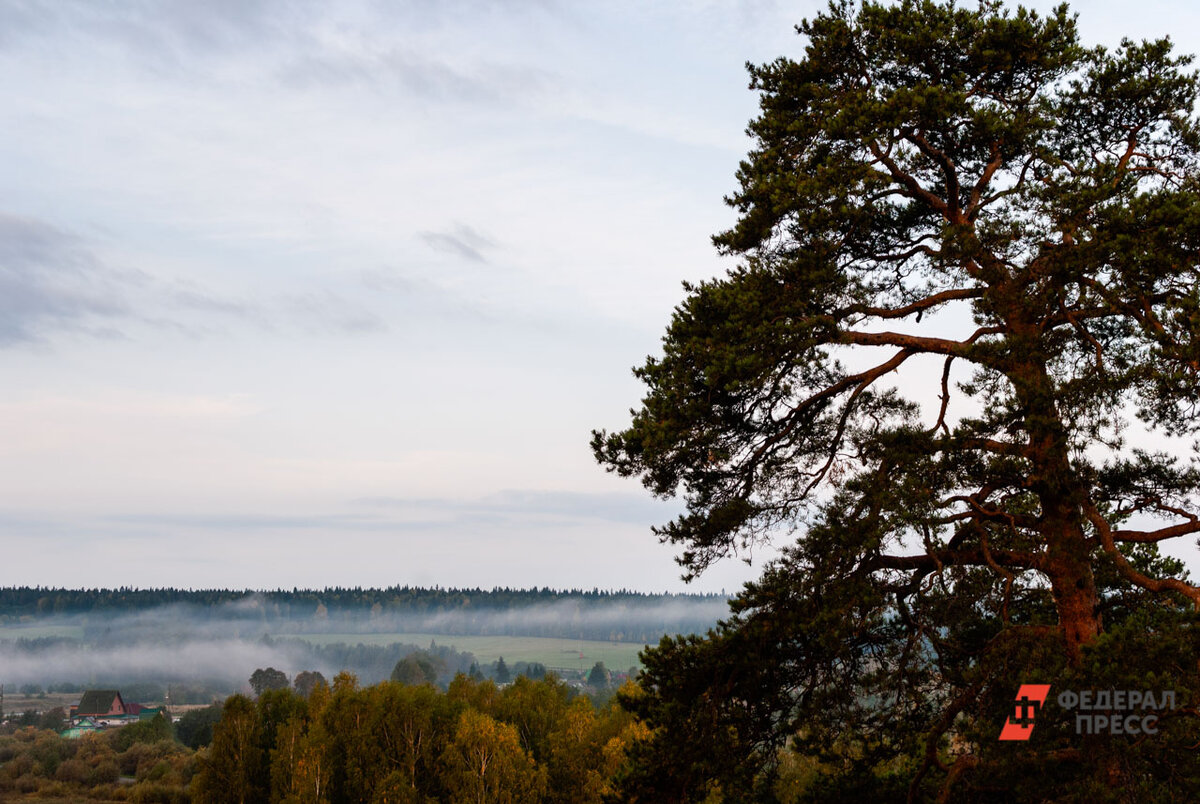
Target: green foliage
x,y
533,670
536,709
401,742
269,679
233,770
195,728
484,762
598,677
973,187
418,667
144,731
308,680
50,719
45,766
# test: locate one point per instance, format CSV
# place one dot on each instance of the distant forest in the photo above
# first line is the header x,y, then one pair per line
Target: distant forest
x,y
576,614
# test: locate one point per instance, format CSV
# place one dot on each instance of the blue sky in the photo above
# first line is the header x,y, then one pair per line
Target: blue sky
x,y
304,294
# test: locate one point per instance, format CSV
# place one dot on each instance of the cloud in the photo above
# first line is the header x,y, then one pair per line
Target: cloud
x,y
462,241
188,297
526,504
50,280
238,522
414,49
407,72
157,30
524,507
327,312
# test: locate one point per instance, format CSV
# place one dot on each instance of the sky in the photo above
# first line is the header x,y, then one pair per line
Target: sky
x,y
310,294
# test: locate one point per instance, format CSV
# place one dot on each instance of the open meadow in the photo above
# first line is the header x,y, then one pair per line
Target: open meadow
x,y
569,654
41,631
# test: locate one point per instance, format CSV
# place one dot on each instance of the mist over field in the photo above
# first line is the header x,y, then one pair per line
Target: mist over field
x,y
58,661
222,644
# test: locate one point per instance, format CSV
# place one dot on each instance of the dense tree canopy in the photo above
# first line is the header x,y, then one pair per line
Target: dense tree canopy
x,y
418,667
533,741
968,256
269,679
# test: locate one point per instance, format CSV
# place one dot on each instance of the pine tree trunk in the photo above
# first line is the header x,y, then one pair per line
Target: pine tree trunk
x,y
1074,590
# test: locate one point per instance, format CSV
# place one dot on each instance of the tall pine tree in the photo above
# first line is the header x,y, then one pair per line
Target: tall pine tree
x,y
969,255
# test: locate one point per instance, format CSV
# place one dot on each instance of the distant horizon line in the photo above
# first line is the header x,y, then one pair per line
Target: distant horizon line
x,y
335,589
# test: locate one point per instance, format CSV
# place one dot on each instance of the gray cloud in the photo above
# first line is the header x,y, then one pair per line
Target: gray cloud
x,y
523,504
328,312
461,240
191,298
526,507
408,72
234,521
155,31
291,40
50,280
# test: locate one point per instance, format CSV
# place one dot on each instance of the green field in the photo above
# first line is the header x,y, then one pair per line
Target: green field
x,y
575,654
40,631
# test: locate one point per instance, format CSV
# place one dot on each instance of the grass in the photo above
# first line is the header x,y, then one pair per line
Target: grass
x,y
575,654
40,631
16,702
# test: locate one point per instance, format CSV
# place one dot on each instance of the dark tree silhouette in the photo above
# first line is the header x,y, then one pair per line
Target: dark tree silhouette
x,y
972,193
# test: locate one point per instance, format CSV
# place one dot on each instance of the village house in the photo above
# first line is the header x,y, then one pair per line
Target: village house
x,y
101,706
108,708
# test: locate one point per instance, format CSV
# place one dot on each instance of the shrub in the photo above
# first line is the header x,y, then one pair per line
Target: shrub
x,y
73,771
105,773
144,731
154,793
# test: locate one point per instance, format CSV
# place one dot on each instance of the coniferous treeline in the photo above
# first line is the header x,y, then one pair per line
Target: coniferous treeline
x,y
619,615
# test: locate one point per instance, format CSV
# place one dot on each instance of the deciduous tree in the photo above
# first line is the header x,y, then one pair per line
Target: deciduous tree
x,y
485,763
269,679
232,770
305,682
418,667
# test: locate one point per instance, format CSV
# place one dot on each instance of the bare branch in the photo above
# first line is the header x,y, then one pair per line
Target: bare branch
x,y
1162,534
921,305
1107,539
948,171
918,343
968,558
859,382
941,419
909,182
985,178
1004,572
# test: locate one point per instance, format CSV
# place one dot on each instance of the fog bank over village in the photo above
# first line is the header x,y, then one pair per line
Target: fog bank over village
x,y
188,642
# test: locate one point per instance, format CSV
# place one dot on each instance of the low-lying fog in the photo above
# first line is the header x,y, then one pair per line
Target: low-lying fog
x,y
222,645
